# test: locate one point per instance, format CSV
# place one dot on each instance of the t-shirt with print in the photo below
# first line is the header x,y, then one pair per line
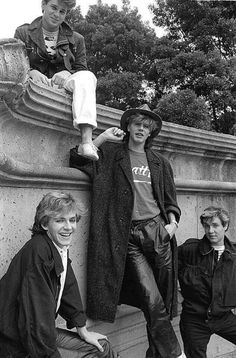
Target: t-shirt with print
x,y
145,206
50,39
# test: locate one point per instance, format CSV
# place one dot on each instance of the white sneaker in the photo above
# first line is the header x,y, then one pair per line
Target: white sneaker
x,y
182,355
88,150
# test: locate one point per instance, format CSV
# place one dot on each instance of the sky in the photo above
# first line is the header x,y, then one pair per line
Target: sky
x,y
17,12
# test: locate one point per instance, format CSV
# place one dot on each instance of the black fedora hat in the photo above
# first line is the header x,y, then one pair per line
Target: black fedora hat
x,y
144,109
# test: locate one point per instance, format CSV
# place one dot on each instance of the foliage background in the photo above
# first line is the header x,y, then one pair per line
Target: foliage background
x,y
188,76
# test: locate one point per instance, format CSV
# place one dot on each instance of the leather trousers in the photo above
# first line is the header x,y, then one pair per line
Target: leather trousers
x,y
149,262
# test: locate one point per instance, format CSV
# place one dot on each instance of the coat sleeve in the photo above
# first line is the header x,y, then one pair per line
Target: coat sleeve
x,y
170,201
71,307
80,63
36,321
18,35
180,258
21,33
87,166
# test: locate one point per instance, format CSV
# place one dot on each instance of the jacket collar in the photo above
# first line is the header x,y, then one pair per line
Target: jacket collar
x,y
205,246
124,159
65,35
56,256
152,155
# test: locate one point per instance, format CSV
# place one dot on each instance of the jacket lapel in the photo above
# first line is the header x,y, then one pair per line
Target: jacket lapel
x,y
123,159
154,166
65,35
153,163
36,34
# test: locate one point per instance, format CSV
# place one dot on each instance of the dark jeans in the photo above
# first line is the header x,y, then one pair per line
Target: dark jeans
x,y
68,340
196,332
149,263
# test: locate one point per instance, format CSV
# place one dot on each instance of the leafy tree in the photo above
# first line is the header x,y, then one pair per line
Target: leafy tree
x,y
198,53
184,106
119,51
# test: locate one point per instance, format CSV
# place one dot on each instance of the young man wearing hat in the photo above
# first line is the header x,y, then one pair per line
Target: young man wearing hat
x,y
132,249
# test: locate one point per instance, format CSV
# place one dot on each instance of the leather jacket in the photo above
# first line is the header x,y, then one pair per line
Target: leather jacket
x,y
207,289
70,49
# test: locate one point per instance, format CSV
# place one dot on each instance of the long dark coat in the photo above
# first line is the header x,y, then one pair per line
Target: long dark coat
x,y
111,213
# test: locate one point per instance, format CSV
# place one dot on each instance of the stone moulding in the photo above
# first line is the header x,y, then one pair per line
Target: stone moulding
x,y
15,172
48,107
43,106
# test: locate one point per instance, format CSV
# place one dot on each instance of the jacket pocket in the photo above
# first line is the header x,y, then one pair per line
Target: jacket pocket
x,y
194,281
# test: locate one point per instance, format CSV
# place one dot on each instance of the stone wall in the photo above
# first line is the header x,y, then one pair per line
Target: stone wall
x,y
36,134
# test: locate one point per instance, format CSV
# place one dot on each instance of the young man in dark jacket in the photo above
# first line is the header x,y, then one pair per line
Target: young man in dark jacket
x,y
40,284
131,250
57,57
207,276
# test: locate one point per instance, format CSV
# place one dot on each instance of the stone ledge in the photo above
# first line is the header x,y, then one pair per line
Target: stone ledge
x,y
208,186
13,171
17,173
48,107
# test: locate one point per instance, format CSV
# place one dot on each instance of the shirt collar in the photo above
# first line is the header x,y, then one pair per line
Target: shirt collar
x,y
61,250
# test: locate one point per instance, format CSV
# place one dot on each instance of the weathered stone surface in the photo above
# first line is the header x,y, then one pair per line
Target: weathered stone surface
x,y
14,68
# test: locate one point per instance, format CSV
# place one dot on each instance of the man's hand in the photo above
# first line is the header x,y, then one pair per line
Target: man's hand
x,y
91,337
171,229
60,78
37,76
114,134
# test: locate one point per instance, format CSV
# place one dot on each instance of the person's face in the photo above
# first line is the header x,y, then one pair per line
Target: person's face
x,y
215,231
54,13
61,228
139,131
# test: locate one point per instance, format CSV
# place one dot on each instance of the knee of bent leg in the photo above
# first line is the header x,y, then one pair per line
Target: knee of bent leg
x,y
87,77
108,351
68,353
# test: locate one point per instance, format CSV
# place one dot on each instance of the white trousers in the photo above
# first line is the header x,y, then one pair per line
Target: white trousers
x,y
82,85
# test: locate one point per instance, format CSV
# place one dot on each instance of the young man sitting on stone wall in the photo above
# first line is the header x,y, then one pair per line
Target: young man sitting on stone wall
x,y
57,57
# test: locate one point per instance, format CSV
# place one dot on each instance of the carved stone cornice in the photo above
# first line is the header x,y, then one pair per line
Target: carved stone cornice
x,y
14,173
43,106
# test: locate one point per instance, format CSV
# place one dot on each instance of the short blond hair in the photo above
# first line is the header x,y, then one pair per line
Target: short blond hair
x,y
212,212
51,205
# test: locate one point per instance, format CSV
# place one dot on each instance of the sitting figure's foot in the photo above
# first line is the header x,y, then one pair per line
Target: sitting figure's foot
x,y
88,150
182,355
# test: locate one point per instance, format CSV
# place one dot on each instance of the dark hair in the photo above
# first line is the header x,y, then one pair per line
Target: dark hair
x,y
213,211
69,3
145,119
50,206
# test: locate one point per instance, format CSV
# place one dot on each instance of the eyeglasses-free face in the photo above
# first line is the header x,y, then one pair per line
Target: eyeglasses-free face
x,y
215,231
61,228
54,13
